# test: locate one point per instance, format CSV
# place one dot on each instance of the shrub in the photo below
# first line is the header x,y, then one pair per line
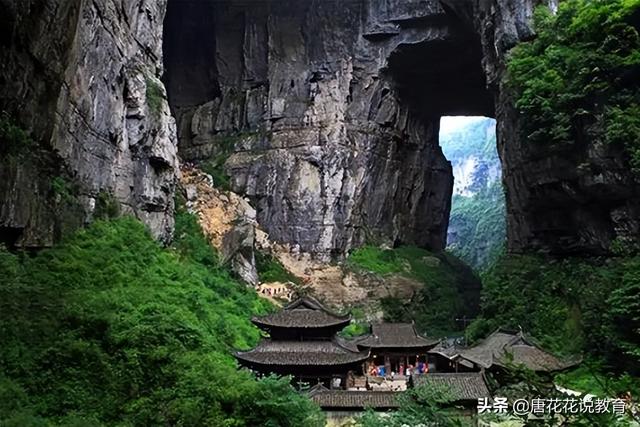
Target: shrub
x,y
14,140
579,80
110,327
272,270
424,405
572,305
215,165
154,96
450,288
107,206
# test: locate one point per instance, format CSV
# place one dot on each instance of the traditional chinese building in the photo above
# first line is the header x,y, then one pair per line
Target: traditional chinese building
x,y
303,343
344,404
464,389
500,350
396,347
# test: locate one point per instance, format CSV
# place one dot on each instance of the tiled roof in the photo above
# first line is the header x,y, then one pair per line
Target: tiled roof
x,y
301,353
446,349
306,312
394,335
462,386
485,351
503,348
533,358
348,399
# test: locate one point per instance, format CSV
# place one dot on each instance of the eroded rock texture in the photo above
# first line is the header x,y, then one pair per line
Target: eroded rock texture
x,y
574,199
328,109
83,78
331,110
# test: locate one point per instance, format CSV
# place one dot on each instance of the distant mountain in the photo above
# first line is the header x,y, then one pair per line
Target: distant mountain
x,y
477,222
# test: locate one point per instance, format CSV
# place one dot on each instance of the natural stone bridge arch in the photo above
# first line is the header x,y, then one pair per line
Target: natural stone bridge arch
x,y
334,135
333,109
337,105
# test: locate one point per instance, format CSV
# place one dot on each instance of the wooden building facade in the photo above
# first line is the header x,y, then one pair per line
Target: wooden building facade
x,y
398,348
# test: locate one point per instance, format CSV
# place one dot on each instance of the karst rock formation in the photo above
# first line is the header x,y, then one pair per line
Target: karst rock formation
x,y
326,113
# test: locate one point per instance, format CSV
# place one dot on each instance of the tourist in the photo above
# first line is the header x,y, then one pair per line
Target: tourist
x,y
373,371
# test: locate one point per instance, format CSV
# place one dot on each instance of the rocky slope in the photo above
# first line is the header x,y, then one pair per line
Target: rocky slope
x,y
83,79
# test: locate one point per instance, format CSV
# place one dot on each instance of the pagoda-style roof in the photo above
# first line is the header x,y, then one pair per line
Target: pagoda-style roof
x,y
394,335
504,348
461,386
301,353
347,399
305,312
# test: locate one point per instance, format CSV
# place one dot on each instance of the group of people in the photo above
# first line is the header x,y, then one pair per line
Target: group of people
x,y
381,371
275,291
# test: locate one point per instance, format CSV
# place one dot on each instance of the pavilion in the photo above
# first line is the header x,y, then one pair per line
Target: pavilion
x,y
303,343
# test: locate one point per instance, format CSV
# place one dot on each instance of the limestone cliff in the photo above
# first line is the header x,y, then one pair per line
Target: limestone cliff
x,y
324,114
575,199
83,78
330,110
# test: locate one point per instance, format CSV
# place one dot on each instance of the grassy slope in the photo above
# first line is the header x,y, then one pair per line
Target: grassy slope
x,y
449,286
110,327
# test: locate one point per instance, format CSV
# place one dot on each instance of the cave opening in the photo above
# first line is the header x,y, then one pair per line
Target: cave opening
x,y
444,82
477,229
251,79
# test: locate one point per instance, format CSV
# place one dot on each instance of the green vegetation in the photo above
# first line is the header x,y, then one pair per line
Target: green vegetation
x,y
225,145
14,141
355,329
63,188
108,328
475,138
449,286
272,270
522,383
480,226
424,405
477,223
154,96
107,206
591,377
358,326
571,305
579,79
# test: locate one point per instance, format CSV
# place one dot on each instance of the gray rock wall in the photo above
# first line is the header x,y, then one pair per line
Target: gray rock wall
x,y
576,199
329,111
325,145
83,78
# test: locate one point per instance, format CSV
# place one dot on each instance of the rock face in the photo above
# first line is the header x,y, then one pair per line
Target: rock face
x,y
324,113
228,221
83,78
560,200
328,109
470,146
